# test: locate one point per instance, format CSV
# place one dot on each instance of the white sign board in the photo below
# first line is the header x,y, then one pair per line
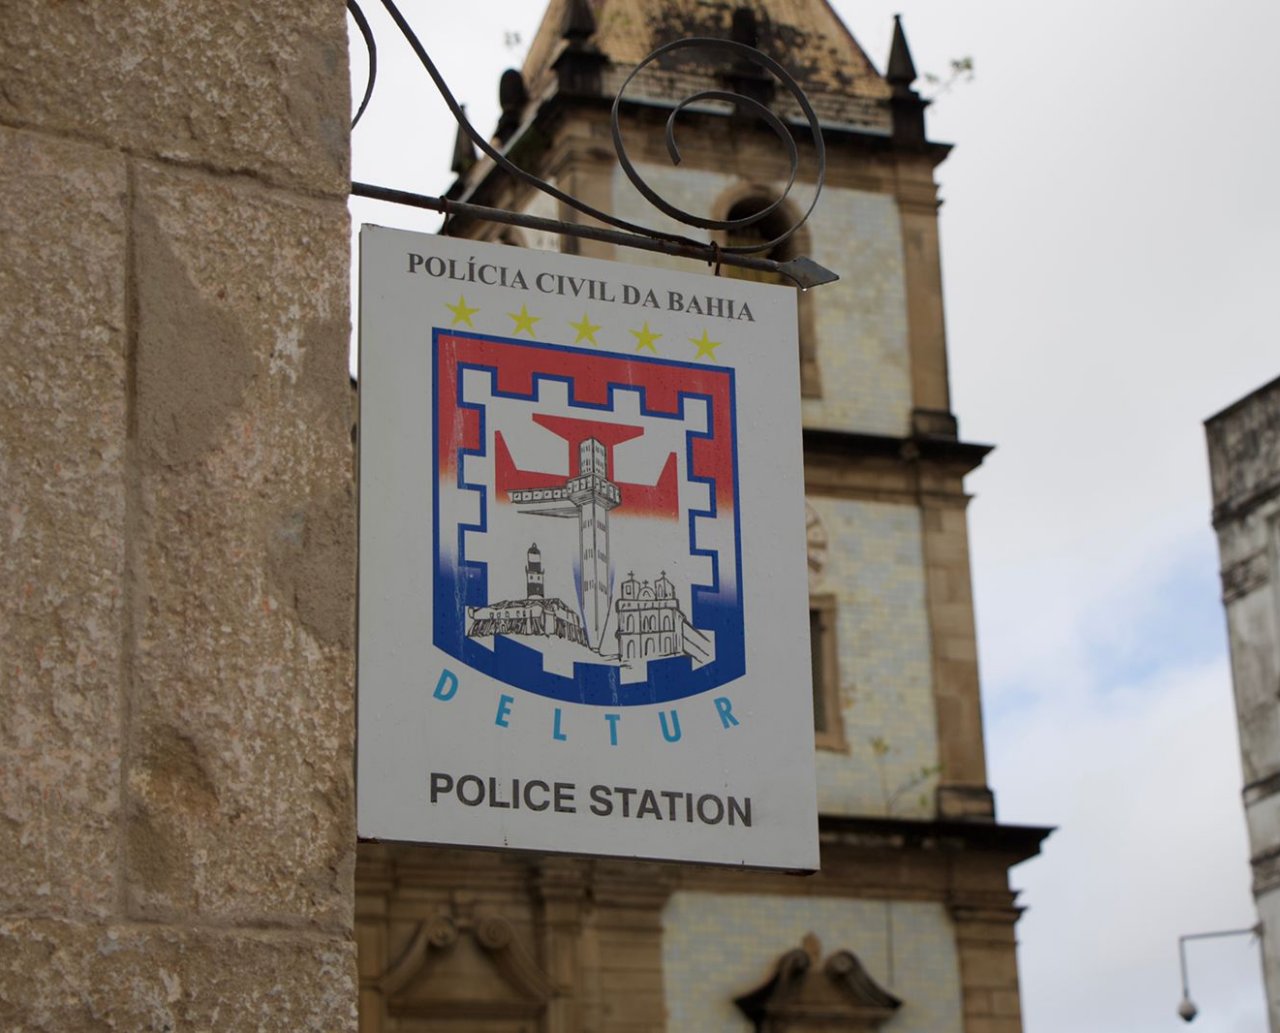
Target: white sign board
x,y
583,600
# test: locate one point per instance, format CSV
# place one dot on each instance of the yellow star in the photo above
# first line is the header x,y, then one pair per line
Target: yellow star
x,y
645,338
586,331
706,346
461,313
524,321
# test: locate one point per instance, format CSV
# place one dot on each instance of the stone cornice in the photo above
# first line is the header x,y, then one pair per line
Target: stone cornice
x,y
1236,508
1015,842
862,856
845,444
884,468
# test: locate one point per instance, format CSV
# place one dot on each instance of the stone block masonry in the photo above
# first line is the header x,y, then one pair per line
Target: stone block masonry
x,y
177,535
223,85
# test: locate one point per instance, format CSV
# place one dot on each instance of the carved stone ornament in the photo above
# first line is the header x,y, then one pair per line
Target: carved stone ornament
x,y
817,543
800,997
459,965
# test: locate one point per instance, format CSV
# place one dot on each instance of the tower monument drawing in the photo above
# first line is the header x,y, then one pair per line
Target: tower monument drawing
x,y
588,496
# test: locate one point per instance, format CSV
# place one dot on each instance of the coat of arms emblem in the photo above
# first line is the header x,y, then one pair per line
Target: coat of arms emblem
x,y
586,540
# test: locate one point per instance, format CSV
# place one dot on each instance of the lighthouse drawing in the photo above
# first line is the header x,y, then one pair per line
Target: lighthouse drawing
x,y
535,614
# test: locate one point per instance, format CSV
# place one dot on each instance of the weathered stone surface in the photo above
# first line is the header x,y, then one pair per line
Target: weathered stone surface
x,y
64,978
239,786
62,522
234,86
1244,446
1244,461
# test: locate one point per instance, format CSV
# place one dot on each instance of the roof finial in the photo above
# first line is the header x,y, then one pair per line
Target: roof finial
x,y
743,76
744,28
905,105
579,21
512,96
579,65
901,72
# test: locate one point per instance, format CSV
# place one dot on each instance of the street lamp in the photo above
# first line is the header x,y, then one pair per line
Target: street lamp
x,y
1187,1009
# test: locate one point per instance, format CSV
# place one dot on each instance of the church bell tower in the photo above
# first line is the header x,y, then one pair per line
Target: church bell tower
x,y
910,924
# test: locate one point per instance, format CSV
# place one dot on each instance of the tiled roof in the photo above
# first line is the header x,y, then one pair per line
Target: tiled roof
x,y
805,36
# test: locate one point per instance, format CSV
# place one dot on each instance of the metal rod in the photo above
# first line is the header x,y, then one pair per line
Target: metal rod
x,y
804,273
1182,961
1255,930
371,48
484,145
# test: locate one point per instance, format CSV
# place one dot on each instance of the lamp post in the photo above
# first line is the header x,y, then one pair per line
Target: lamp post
x,y
1186,1007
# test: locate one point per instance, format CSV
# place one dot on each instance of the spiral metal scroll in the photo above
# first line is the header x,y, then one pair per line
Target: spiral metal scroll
x,y
803,271
370,45
775,124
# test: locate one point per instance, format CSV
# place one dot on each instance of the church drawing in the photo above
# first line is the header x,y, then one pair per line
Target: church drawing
x,y
651,624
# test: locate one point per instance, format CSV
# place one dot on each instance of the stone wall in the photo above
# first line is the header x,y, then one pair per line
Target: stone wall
x,y
176,815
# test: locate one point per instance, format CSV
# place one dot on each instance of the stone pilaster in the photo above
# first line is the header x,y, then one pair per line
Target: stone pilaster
x,y
562,896
628,964
989,967
962,781
922,271
176,634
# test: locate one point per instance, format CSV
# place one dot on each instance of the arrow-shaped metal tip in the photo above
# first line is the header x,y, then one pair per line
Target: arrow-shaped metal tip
x,y
806,273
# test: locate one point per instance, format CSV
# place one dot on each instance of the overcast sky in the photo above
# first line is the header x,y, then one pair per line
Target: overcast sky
x,y
1111,236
